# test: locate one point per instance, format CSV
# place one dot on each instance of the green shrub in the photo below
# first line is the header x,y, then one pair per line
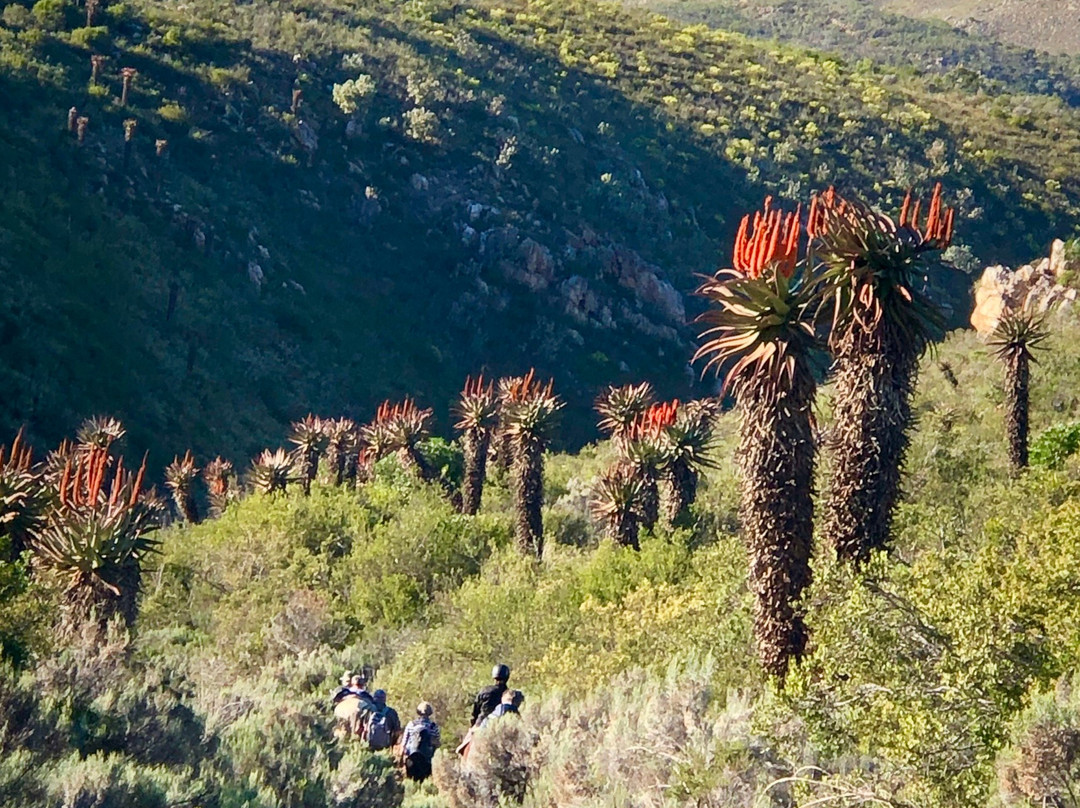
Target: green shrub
x,y
16,16
1050,448
94,38
52,15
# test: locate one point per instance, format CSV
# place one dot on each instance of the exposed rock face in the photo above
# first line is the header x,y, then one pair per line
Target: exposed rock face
x,y
1037,286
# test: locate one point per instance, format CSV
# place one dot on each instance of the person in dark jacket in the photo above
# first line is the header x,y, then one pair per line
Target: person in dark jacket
x,y
422,737
510,705
491,696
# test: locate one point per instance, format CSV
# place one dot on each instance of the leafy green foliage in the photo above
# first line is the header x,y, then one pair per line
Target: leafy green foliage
x,y
1051,448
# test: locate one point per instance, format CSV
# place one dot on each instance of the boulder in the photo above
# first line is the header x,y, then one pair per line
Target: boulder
x,y
1033,286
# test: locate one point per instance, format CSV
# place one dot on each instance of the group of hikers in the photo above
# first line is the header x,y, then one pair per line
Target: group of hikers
x,y
365,716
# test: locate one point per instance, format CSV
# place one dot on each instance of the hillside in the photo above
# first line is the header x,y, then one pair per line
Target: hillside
x,y
906,35
513,184
1042,25
942,674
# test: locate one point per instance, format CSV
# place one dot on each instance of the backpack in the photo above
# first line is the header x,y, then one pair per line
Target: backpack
x,y
418,742
378,730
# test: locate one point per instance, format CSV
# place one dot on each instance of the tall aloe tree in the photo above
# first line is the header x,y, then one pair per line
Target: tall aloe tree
x,y
1016,335
478,413
271,472
220,479
94,539
342,443
688,448
883,323
616,503
644,451
760,329
23,498
530,410
180,476
310,439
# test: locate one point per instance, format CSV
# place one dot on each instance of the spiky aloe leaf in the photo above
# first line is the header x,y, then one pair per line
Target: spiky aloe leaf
x,y
619,407
23,497
180,477
477,407
99,432
271,472
617,503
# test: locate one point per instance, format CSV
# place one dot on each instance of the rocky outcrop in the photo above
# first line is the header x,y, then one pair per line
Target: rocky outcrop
x,y
1035,286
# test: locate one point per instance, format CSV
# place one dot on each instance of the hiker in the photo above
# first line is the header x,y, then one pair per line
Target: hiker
x,y
352,705
344,690
510,705
383,727
421,739
491,696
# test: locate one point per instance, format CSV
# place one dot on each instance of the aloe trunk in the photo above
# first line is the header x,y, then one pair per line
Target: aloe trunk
x,y
527,473
776,462
876,371
679,490
475,443
1017,380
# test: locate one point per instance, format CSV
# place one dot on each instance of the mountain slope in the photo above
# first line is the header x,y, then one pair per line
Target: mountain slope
x,y
904,35
1039,24
526,185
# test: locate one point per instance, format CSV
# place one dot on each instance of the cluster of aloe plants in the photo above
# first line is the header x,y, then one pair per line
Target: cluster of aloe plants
x,y
767,331
84,519
661,449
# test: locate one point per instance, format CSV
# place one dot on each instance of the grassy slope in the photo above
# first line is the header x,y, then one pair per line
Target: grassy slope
x,y
626,141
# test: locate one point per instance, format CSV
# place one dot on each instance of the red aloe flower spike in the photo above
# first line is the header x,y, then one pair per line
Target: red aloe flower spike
x,y
738,258
116,483
915,216
905,209
138,482
65,478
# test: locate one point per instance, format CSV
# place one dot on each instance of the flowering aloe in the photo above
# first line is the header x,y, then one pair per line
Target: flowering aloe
x,y
1015,336
530,410
761,330
94,538
645,450
220,479
478,413
882,323
688,448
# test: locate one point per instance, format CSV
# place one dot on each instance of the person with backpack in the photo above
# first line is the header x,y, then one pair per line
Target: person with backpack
x,y
383,725
491,696
352,705
422,737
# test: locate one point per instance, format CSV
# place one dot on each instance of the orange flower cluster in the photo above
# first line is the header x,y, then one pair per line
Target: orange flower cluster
x,y
829,208
84,488
773,239
388,413
652,422
474,388
20,458
938,230
526,388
